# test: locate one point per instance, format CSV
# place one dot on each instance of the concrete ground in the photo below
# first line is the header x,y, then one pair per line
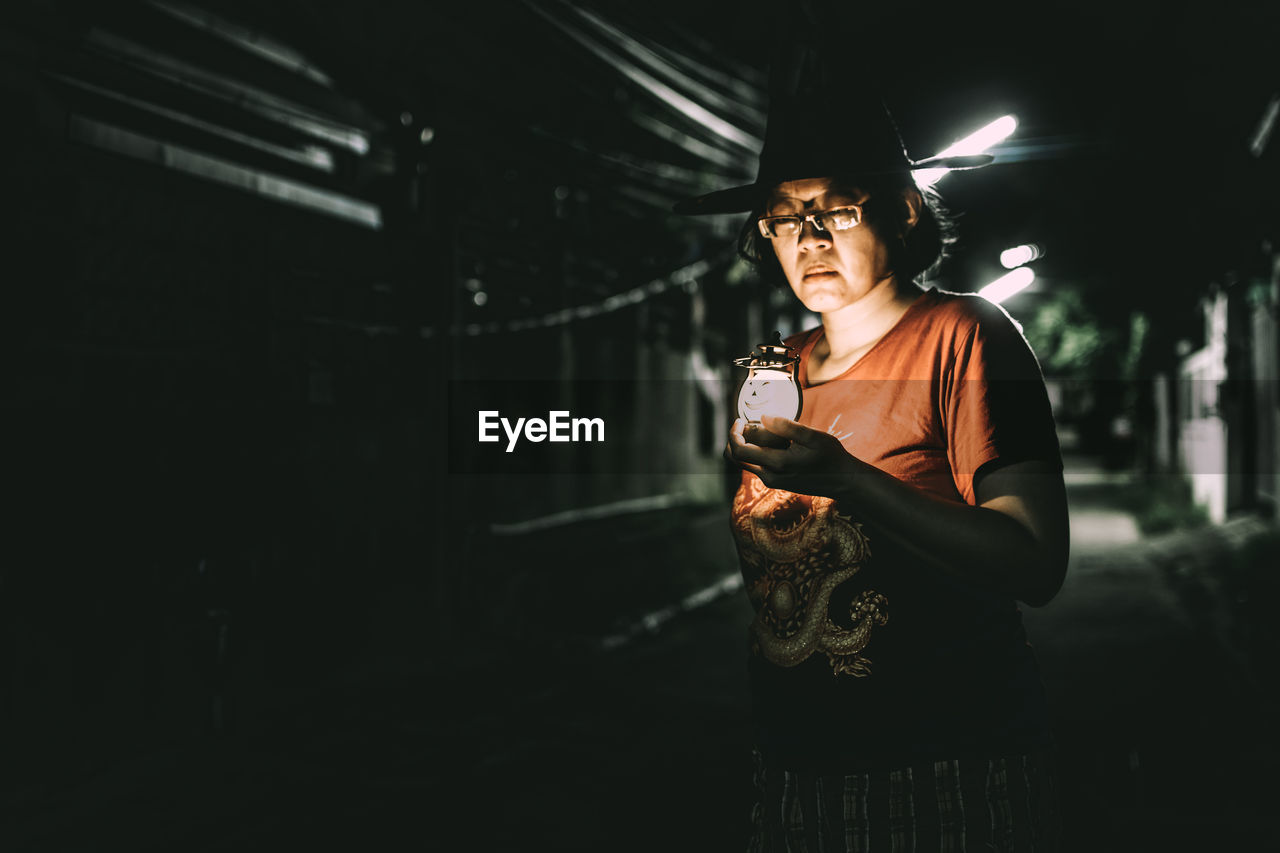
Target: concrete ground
x,y
1159,675
1157,666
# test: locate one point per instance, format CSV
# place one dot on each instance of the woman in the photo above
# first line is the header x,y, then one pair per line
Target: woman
x,y
886,534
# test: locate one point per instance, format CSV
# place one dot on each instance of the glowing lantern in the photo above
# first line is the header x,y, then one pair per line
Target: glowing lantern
x,y
772,386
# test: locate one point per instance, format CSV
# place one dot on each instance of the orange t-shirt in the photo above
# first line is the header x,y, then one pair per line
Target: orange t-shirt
x,y
951,387
850,628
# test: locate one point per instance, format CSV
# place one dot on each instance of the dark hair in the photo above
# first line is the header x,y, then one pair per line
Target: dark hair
x,y
916,256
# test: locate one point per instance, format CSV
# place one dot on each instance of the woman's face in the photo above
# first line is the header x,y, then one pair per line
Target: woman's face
x,y
827,270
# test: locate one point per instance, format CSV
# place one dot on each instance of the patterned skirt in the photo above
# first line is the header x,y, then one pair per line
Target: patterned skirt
x,y
998,804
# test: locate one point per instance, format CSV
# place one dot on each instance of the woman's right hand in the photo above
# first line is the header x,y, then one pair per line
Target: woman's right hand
x,y
752,433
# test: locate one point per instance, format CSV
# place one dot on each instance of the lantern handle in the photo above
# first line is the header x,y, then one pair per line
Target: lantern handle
x,y
774,353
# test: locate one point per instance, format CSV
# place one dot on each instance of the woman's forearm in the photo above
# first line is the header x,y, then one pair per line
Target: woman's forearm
x,y
1015,540
984,546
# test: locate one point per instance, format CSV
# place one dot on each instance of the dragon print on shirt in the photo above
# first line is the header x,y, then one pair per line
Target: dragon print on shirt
x,y
795,550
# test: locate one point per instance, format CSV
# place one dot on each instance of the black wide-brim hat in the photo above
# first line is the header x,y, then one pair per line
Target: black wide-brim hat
x,y
826,133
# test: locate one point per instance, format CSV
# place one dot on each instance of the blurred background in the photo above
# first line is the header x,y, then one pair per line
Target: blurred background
x,y
262,590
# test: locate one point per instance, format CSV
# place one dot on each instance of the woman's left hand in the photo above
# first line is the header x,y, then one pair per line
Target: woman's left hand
x,y
791,456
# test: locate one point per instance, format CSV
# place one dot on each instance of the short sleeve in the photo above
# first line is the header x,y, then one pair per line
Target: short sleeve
x,y
996,409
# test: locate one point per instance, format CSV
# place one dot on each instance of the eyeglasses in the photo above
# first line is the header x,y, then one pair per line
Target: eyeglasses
x,y
835,219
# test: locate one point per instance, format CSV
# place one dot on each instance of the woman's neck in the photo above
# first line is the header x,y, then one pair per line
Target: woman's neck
x,y
857,326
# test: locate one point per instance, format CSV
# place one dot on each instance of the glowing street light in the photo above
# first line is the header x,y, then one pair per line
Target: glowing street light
x,y
975,143
1019,255
1007,285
